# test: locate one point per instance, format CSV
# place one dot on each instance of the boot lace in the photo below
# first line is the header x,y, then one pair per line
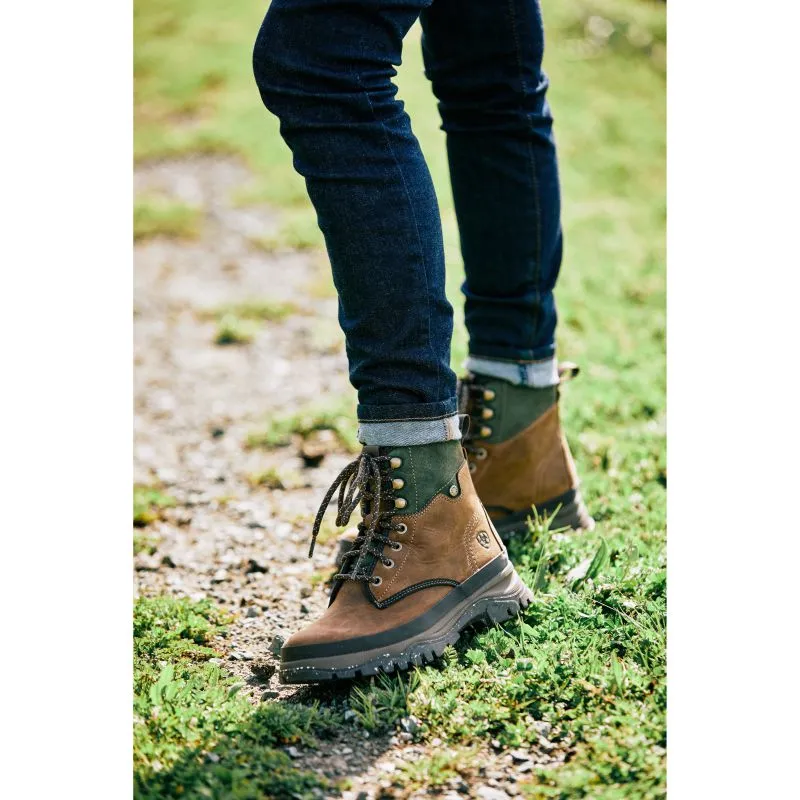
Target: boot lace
x,y
364,482
473,399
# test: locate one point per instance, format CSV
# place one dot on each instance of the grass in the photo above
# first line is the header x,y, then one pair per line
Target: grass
x,y
148,503
253,309
156,215
194,735
232,329
337,416
588,656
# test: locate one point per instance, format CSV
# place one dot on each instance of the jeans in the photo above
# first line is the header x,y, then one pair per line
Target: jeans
x,y
325,69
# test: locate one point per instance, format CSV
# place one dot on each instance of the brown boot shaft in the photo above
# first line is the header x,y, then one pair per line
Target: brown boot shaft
x,y
531,468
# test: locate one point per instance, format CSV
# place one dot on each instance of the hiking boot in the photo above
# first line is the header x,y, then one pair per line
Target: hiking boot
x,y
426,563
518,455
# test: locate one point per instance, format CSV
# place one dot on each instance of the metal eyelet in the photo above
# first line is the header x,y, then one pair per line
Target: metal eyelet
x,y
486,431
389,564
481,454
376,580
397,546
395,463
402,528
400,502
472,466
488,394
398,483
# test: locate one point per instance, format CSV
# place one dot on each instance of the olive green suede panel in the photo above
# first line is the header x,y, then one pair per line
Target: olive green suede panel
x,y
515,407
426,470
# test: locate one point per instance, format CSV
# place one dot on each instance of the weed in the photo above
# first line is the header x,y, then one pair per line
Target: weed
x,y
234,330
337,417
148,502
383,702
156,215
194,735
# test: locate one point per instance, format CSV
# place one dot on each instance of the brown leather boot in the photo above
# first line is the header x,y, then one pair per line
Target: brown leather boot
x,y
518,455
427,562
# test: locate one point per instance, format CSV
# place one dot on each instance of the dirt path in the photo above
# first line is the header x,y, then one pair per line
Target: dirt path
x,y
245,547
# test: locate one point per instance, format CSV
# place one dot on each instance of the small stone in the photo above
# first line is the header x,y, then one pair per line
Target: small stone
x,y
277,643
212,757
346,751
246,655
147,563
409,725
349,715
436,742
270,694
252,611
519,756
220,576
263,670
542,727
293,752
496,744
216,432
304,609
363,796
253,566
490,793
526,767
167,561
546,745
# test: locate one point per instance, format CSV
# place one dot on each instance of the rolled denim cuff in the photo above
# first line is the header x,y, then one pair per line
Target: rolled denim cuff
x,y
537,374
409,432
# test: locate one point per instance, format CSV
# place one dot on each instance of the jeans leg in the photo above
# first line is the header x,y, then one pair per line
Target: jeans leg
x,y
325,68
485,64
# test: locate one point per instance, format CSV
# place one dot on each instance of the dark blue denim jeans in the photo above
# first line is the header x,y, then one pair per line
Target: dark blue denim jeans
x,y
325,68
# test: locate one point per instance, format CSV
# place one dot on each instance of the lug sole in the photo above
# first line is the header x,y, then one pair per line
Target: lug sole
x,y
497,601
572,514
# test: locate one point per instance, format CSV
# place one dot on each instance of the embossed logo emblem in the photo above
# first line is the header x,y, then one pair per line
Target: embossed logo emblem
x,y
483,539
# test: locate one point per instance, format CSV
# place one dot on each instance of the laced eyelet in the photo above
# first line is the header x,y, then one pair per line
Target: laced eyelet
x,y
402,528
389,563
397,546
481,454
376,580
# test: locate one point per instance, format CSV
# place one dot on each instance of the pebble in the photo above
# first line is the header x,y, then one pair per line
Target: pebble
x,y
542,727
270,694
252,611
490,793
276,644
220,576
349,715
253,566
519,756
293,752
409,725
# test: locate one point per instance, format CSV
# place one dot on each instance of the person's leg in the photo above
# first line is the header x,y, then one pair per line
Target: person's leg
x,y
427,561
485,64
484,61
324,68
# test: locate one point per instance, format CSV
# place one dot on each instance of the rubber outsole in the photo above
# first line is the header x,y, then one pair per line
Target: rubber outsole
x,y
570,515
502,599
